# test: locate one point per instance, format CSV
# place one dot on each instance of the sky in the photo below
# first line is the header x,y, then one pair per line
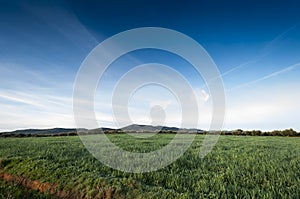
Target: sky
x,y
254,44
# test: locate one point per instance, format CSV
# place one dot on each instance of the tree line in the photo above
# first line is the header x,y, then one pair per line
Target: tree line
x,y
238,132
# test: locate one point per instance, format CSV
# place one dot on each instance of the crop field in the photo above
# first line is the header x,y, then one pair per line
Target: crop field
x,y
237,167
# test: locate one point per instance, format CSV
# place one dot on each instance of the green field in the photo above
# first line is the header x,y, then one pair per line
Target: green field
x,y
238,167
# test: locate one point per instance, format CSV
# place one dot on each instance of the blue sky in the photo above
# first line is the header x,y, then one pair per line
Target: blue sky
x,y
255,44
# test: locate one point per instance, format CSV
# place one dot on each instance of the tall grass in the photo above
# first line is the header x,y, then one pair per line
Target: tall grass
x,y
238,167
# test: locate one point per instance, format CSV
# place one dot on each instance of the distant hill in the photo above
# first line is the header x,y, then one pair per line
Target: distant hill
x,y
149,128
72,131
100,130
27,132
41,131
137,128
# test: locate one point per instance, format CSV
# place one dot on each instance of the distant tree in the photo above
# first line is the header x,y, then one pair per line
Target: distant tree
x,y
237,132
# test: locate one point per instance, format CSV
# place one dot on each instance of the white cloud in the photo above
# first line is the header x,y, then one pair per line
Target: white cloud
x,y
266,108
31,109
276,73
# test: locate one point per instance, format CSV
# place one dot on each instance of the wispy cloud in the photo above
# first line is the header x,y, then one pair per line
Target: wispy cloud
x,y
37,84
276,73
268,48
64,22
18,98
265,51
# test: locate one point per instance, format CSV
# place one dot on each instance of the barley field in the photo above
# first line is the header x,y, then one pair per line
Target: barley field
x,y
237,167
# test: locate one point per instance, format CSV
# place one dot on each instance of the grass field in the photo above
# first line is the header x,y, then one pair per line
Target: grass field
x,y
238,167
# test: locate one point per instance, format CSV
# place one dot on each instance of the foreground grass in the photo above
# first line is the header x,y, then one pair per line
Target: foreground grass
x,y
238,167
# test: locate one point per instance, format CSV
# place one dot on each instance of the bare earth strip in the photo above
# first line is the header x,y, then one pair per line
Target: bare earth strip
x,y
51,189
35,185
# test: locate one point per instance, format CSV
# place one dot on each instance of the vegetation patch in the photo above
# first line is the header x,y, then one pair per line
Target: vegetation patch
x,y
237,167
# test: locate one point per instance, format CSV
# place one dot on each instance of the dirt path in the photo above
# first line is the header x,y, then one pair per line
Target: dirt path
x,y
35,185
51,189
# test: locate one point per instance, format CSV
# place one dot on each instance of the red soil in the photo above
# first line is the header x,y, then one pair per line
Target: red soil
x,y
44,187
34,184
